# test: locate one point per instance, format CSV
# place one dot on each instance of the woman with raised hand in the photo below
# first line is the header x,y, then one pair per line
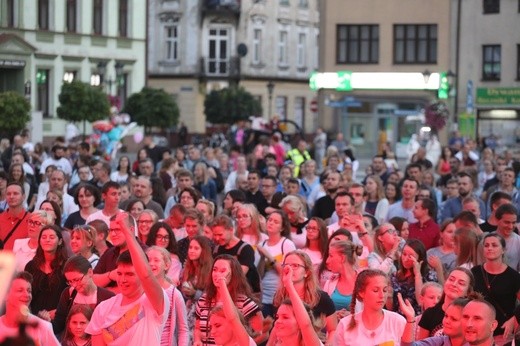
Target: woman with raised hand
x,y
342,261
228,326
47,270
229,267
294,321
305,283
386,249
162,235
413,271
373,325
458,284
175,331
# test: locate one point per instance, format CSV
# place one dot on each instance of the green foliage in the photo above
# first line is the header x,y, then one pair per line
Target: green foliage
x,y
14,113
82,102
229,105
152,108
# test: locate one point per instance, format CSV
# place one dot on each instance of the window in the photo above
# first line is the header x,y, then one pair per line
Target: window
x,y
301,50
518,62
257,46
98,17
42,102
69,76
43,14
172,43
491,6
284,2
218,59
72,8
281,107
282,49
122,89
299,111
491,62
123,18
414,44
10,13
303,3
357,44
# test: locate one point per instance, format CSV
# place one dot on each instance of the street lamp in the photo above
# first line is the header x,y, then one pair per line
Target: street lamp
x,y
102,69
27,90
270,88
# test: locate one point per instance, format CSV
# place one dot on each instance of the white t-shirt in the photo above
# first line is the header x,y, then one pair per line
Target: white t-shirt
x,y
42,334
62,164
388,333
22,253
316,258
133,324
299,240
271,278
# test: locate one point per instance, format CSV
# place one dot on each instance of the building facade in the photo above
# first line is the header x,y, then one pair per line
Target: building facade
x,y
46,42
381,36
489,71
269,47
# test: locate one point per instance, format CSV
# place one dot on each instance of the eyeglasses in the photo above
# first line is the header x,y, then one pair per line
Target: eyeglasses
x,y
34,223
74,282
115,230
293,265
390,231
308,228
145,221
163,237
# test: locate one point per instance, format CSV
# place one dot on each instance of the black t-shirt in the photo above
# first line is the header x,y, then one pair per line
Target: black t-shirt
x,y
487,227
370,207
245,255
74,219
324,307
502,291
431,319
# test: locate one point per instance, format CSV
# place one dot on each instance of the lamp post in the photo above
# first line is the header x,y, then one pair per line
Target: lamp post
x,y
270,88
102,69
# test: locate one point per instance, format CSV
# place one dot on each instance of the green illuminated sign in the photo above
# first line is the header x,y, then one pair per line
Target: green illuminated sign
x,y
339,81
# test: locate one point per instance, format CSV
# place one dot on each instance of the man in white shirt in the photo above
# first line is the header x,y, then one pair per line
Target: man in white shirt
x,y
57,159
136,316
57,181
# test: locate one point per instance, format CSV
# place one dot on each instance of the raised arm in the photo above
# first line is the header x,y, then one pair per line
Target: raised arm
x,y
151,286
409,314
302,317
231,313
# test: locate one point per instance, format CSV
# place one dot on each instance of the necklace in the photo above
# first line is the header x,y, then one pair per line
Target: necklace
x,y
485,275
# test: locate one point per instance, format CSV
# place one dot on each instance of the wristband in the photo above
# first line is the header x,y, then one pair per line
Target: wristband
x,y
410,321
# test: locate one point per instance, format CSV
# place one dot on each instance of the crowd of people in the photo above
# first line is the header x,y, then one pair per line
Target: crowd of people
x,y
266,246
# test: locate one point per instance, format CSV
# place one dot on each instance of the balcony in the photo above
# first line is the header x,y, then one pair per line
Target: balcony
x,y
221,7
220,68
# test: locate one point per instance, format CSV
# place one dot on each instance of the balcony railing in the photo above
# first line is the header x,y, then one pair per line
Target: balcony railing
x,y
221,7
213,67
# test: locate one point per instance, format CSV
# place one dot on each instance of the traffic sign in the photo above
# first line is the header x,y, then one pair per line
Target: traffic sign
x,y
314,106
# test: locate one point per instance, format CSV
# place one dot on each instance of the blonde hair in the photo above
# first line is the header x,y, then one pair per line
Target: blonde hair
x,y
165,254
349,249
87,234
43,216
255,221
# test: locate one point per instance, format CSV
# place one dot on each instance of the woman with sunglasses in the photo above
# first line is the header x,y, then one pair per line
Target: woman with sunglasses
x,y
47,270
24,249
82,290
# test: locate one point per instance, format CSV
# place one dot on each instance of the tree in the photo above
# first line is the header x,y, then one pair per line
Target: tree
x,y
14,113
82,102
229,105
152,108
